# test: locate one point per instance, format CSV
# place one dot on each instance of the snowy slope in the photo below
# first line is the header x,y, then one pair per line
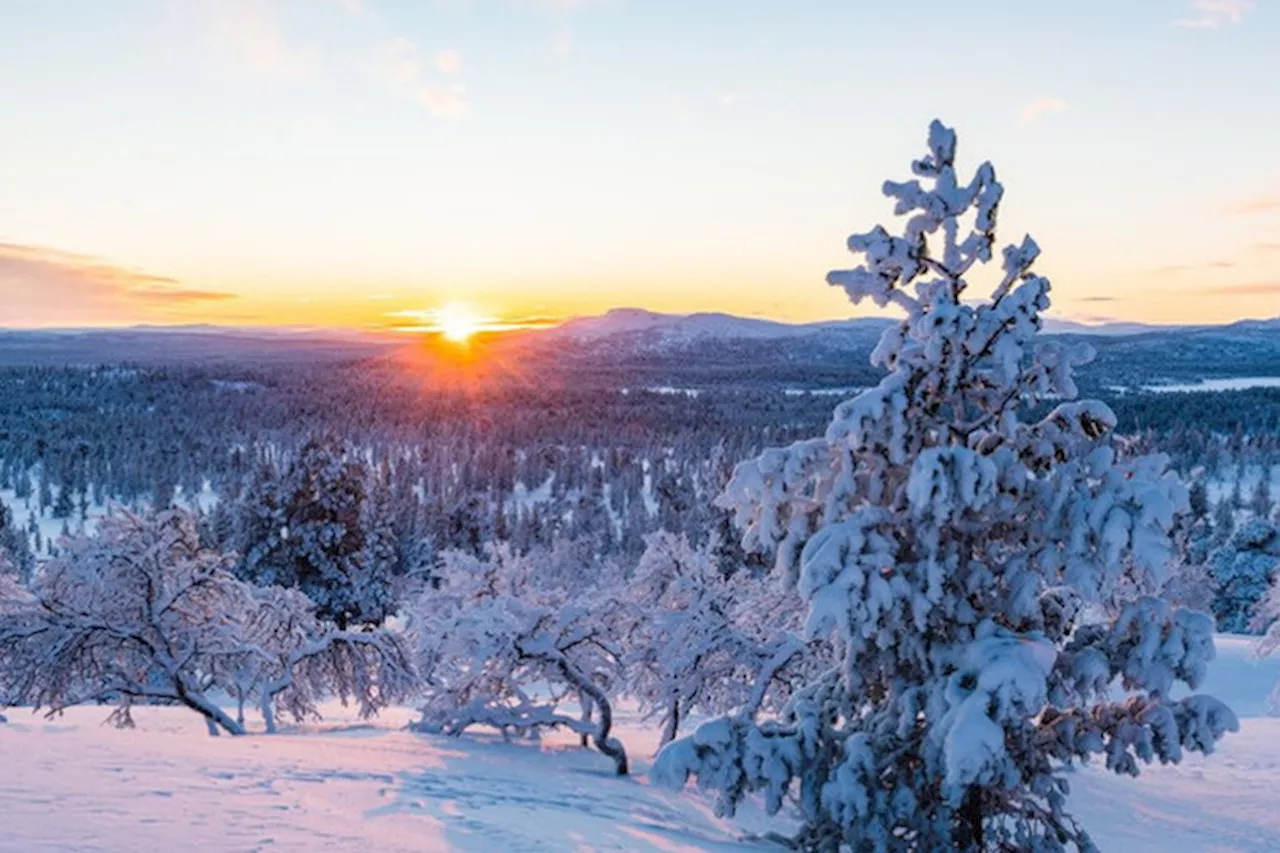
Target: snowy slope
x,y
74,785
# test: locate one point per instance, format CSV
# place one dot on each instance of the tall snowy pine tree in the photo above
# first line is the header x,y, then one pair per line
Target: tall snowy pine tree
x,y
950,545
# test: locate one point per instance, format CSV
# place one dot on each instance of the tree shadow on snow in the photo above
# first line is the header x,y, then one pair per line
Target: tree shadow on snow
x,y
491,795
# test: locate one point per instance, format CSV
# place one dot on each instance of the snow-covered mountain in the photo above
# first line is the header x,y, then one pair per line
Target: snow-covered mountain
x,y
1056,326
658,330
673,329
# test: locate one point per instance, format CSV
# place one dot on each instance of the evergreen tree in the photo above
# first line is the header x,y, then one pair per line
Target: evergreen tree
x,y
1224,520
64,507
1198,499
308,531
15,547
1260,502
1241,571
950,546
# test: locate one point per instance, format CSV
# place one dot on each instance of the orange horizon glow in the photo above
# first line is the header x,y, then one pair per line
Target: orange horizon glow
x,y
360,164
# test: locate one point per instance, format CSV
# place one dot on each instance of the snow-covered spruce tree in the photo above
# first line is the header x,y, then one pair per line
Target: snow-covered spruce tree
x,y
1240,572
15,547
138,613
950,544
313,531
510,640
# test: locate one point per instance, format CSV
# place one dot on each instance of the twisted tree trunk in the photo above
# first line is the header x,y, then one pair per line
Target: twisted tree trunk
x,y
609,746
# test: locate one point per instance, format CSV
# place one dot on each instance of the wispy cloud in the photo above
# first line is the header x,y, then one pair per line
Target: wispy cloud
x,y
1212,14
1257,288
1174,269
1040,106
179,295
1098,299
40,285
1254,205
401,66
433,320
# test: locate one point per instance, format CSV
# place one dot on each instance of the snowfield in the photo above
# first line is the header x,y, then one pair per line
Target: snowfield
x,y
73,784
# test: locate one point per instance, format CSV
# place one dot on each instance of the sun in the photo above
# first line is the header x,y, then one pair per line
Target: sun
x,y
457,322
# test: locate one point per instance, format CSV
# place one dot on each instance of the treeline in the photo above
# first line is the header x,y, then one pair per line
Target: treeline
x,y
525,459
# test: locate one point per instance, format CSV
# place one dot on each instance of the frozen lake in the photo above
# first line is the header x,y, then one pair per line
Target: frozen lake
x,y
1239,383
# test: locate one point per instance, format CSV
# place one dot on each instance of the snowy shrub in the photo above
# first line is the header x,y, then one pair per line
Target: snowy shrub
x,y
141,613
1267,618
698,640
1240,572
138,613
13,601
302,660
950,545
509,640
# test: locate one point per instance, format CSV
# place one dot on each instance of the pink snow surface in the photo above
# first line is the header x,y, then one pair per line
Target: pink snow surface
x,y
72,784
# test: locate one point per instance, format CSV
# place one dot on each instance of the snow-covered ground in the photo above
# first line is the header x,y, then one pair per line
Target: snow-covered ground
x,y
73,784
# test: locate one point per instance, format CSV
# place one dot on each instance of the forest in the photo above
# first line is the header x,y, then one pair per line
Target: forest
x,y
888,603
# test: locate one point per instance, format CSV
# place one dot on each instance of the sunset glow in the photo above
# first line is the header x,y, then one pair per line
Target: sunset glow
x,y
279,162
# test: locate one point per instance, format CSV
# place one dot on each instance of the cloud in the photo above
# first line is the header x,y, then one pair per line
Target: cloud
x,y
178,296
249,32
40,285
1040,106
1257,288
1212,14
1174,269
444,101
400,65
1267,203
1098,299
449,61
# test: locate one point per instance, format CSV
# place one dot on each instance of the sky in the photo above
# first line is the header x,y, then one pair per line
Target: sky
x,y
355,163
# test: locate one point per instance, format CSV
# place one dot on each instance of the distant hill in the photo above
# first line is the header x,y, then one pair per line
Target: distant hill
x,y
720,350
633,348
669,329
650,328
